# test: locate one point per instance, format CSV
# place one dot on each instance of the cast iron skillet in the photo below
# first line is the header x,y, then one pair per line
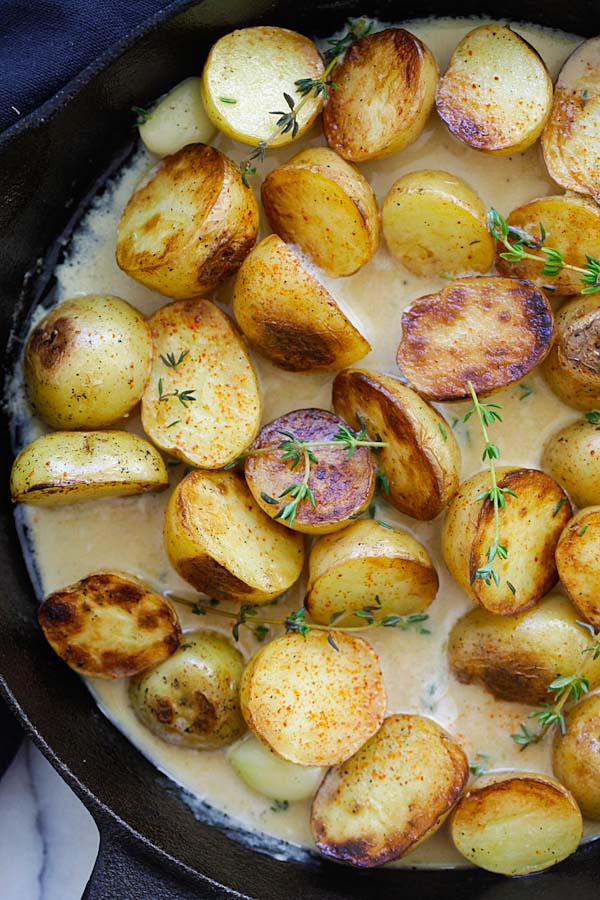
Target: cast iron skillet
x,y
152,847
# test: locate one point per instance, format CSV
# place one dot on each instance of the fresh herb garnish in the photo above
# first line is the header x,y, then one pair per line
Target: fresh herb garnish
x,y
280,805
228,100
525,390
184,397
171,362
142,114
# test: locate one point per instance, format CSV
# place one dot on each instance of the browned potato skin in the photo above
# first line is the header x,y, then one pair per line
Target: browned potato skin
x,y
572,368
572,457
576,755
578,563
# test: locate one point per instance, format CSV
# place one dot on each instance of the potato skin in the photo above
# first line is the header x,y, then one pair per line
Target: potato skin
x,y
576,755
571,368
571,457
578,563
177,120
271,775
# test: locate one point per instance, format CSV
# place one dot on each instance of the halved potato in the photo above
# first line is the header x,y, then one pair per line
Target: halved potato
x,y
202,403
391,795
422,459
496,93
109,626
576,755
310,703
490,331
179,118
572,368
323,204
70,466
434,222
399,75
352,568
530,526
578,563
289,316
221,542
271,775
189,225
572,457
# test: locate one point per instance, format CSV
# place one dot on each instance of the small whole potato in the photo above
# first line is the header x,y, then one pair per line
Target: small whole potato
x,y
178,119
572,368
572,457
272,775
576,755
578,563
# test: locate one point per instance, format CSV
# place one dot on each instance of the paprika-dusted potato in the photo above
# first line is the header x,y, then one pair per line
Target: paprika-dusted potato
x,y
311,703
202,403
392,794
289,316
221,542
109,626
179,118
576,755
489,331
572,457
496,93
189,225
530,526
578,563
87,362
572,368
399,75
326,207
422,459
192,699
271,775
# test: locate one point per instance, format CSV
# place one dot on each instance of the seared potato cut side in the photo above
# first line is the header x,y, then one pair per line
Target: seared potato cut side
x,y
189,225
221,542
192,699
391,795
245,76
434,222
87,362
289,316
352,568
521,824
572,368
342,486
399,75
179,118
70,466
310,703
496,93
422,459
109,626
576,755
572,457
323,204
270,774
489,331
578,563
202,403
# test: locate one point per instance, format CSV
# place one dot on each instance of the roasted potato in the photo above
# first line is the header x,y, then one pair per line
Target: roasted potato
x,y
572,368
87,362
179,118
530,527
572,457
109,626
496,93
310,703
578,563
192,698
576,755
270,774
289,316
189,225
489,331
422,459
391,795
323,204
202,403
221,542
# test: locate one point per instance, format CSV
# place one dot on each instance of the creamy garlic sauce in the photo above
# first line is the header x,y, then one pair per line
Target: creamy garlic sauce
x,y
126,534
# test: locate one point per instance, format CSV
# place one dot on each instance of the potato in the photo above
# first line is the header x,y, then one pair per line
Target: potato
x,y
289,316
422,459
392,794
352,568
202,403
517,825
87,362
517,657
342,486
323,204
572,457
576,755
530,526
192,699
179,118
433,222
398,74
490,331
246,75
311,703
221,542
270,774
109,626
70,466
578,563
189,225
572,368
496,93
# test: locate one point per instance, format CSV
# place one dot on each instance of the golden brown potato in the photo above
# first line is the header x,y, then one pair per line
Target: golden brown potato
x,y
109,626
221,542
392,794
323,204
572,457
496,93
178,119
490,331
578,563
87,362
576,755
572,368
422,459
310,703
289,316
189,225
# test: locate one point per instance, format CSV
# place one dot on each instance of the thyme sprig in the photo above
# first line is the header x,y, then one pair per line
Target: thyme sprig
x,y
171,361
184,397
